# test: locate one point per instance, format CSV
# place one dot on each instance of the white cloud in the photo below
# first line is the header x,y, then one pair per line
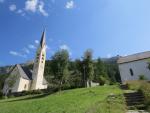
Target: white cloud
x,y
14,53
70,5
65,47
36,41
19,11
47,47
41,9
12,7
26,50
31,5
1,1
35,6
31,46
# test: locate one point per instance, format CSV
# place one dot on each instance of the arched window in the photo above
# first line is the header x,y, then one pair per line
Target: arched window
x,y
25,86
131,72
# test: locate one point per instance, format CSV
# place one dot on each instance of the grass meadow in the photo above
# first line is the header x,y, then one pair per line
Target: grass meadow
x,y
102,99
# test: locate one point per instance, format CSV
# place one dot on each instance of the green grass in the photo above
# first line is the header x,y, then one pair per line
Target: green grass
x,y
84,100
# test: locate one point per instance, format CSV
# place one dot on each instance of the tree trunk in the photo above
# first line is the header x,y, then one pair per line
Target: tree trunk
x,y
89,83
60,85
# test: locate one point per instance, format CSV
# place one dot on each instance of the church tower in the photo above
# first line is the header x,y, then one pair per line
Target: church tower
x,y
39,65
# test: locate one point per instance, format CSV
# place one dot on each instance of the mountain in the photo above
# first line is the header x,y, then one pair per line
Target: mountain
x,y
6,69
111,60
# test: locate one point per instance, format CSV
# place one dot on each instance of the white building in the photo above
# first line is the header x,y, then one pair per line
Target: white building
x,y
22,79
133,66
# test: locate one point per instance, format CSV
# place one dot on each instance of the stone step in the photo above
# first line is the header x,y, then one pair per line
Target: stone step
x,y
135,104
136,96
133,94
134,100
124,87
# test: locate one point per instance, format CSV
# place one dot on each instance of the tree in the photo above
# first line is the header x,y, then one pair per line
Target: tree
x,y
113,72
100,72
88,67
75,68
2,80
60,67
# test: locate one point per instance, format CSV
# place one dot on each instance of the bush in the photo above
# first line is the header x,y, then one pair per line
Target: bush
x,y
144,87
142,77
1,95
135,84
102,80
24,93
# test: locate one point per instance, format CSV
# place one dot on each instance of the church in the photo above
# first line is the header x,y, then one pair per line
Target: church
x,y
23,79
132,67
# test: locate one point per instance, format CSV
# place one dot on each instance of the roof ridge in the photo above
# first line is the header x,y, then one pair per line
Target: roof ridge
x,y
134,57
21,71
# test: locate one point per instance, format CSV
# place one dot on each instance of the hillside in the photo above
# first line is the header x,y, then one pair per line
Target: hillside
x,y
84,100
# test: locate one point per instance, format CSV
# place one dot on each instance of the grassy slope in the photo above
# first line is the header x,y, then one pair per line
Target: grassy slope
x,y
89,100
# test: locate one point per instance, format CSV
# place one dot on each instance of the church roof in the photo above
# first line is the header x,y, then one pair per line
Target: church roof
x,y
134,57
27,72
24,72
42,42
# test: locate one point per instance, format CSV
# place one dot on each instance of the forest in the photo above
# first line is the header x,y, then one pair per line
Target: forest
x,y
63,73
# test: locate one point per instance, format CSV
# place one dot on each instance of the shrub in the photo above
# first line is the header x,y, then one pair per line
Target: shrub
x,y
145,88
135,84
1,95
142,86
102,80
142,77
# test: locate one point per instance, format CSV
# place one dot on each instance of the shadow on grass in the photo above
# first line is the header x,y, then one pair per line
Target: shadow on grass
x,y
29,98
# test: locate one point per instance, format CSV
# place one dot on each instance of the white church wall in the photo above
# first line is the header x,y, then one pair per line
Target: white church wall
x,y
24,85
15,78
19,82
139,67
14,88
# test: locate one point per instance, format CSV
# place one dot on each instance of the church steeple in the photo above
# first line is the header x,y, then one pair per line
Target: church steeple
x,y
39,65
42,42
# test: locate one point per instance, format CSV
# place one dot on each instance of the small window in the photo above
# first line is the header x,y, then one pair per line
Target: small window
x,y
131,72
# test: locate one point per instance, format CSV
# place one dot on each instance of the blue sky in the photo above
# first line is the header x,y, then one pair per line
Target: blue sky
x,y
108,27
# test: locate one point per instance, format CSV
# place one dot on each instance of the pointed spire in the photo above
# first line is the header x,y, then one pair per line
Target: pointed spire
x,y
42,42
